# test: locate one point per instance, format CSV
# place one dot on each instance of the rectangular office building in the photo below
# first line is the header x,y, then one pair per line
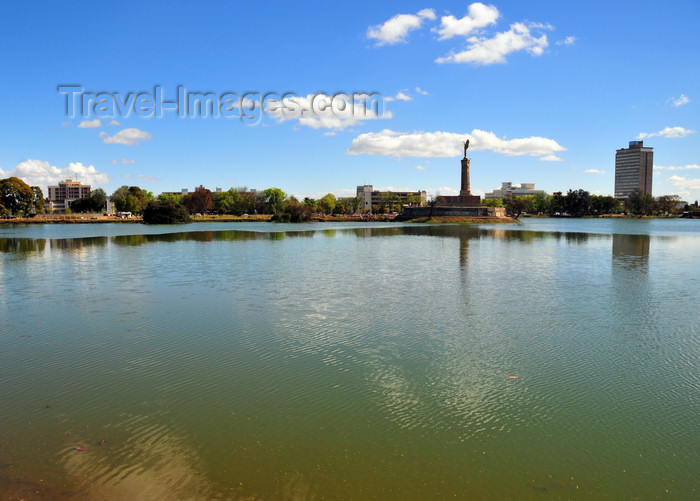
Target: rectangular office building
x,y
633,169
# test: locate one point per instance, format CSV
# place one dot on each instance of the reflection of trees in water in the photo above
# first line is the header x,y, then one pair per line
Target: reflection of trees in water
x,y
637,245
70,244
20,245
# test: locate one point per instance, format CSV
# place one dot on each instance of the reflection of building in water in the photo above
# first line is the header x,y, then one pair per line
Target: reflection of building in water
x,y
631,245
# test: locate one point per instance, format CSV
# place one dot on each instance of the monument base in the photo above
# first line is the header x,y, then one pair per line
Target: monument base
x,y
461,201
452,211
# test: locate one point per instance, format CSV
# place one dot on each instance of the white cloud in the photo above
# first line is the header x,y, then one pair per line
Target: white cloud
x,y
677,167
685,184
669,132
124,161
396,29
143,177
114,122
129,137
484,51
320,111
41,173
479,16
681,100
443,191
594,171
90,124
448,144
551,158
420,167
400,96
421,91
567,41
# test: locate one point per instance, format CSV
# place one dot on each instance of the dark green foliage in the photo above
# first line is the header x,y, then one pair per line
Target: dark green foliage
x,y
578,203
165,212
293,211
131,199
639,203
16,195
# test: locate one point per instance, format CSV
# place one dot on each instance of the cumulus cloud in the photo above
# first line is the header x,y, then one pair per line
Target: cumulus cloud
x,y
130,137
90,124
680,101
114,122
420,167
41,173
396,29
421,91
677,167
594,171
668,132
484,51
448,144
478,16
321,111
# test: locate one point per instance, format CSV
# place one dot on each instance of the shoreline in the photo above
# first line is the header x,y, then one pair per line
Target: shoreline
x,y
267,218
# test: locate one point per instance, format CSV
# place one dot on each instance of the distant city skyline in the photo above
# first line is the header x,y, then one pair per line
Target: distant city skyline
x,y
317,100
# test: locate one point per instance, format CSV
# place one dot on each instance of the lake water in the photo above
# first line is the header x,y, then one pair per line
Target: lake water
x,y
552,359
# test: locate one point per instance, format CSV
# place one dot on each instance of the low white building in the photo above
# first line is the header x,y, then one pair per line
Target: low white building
x,y
508,190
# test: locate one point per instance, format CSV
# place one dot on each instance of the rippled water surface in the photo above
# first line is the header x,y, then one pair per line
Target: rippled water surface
x,y
552,359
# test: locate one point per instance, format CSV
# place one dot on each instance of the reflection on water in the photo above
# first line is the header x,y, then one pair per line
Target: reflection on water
x,y
363,362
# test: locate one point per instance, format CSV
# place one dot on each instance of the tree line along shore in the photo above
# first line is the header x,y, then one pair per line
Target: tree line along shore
x,y
22,203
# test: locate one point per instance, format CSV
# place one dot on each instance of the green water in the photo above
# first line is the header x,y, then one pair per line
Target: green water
x,y
549,360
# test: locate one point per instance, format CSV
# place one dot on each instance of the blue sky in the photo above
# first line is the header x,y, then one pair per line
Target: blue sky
x,y
546,92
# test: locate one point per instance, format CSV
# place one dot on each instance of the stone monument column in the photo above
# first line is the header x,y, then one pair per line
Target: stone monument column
x,y
465,189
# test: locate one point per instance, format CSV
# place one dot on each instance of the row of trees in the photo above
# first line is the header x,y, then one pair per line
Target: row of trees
x,y
236,201
579,203
16,197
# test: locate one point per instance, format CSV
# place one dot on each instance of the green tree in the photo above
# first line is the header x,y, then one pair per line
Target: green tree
x,y
81,205
273,199
228,202
668,204
492,202
541,203
293,211
557,204
604,204
578,203
175,197
517,205
98,197
165,212
327,203
16,195
131,199
38,201
640,203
